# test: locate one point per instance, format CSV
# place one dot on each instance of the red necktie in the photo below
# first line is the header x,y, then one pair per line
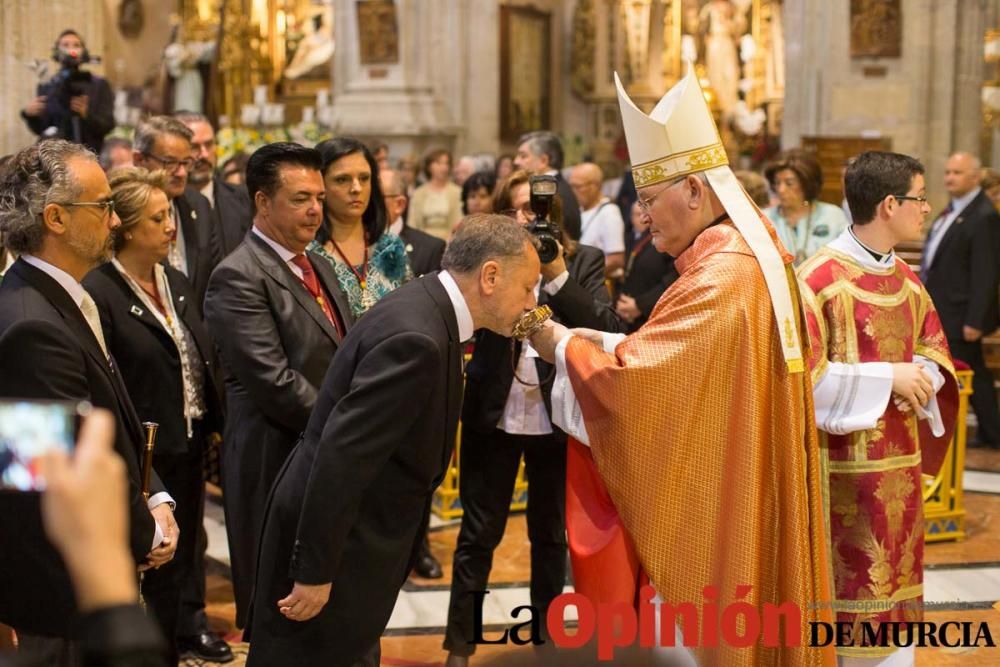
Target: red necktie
x,y
311,282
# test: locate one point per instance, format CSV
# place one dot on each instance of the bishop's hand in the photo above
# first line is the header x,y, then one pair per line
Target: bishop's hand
x,y
547,338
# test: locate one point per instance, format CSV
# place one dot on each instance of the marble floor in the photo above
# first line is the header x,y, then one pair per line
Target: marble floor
x,y
962,583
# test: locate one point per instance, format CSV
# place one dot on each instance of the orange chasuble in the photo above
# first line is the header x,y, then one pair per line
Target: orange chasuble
x,y
707,446
874,491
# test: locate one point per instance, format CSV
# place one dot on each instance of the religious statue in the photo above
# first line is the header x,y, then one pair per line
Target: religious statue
x,y
182,60
314,52
722,23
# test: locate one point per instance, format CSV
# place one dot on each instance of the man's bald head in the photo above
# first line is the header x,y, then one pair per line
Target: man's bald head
x,y
586,179
962,173
394,193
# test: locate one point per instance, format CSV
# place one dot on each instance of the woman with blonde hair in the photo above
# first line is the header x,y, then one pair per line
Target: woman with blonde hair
x,y
161,350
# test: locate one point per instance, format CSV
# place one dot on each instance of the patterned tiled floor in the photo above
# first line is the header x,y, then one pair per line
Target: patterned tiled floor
x,y
962,581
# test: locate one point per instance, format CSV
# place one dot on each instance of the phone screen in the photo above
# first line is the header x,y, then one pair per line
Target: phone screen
x,y
29,429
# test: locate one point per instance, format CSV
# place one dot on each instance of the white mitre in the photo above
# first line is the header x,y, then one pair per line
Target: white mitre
x,y
678,138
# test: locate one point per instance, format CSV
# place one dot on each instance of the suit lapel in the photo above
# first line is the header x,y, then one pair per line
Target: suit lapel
x,y
77,323
280,273
189,223
955,228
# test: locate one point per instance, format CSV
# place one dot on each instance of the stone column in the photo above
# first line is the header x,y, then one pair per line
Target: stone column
x,y
420,101
28,29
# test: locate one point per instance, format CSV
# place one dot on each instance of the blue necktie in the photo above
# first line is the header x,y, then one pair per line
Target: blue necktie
x,y
931,235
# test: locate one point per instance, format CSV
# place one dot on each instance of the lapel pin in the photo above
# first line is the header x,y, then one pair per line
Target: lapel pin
x,y
194,215
959,220
409,247
180,298
136,310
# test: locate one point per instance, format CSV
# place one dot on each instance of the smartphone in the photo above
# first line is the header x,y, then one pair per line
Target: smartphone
x,y
30,429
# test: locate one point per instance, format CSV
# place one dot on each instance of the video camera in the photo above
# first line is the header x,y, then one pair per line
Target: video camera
x,y
548,234
70,81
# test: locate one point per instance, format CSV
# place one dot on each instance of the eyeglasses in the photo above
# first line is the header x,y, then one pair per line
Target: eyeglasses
x,y
920,200
511,213
108,206
647,204
171,164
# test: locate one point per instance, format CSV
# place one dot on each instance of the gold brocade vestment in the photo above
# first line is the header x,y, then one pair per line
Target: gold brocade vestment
x,y
707,446
872,478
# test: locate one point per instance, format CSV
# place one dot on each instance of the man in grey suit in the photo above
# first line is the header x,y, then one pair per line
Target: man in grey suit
x,y
277,315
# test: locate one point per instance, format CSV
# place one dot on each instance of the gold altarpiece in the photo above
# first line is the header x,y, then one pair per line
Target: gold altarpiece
x,y
261,43
737,47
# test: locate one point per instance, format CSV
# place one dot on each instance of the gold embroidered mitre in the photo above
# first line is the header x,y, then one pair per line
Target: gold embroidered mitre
x,y
678,138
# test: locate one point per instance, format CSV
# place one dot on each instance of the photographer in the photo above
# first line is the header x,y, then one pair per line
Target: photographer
x,y
506,413
74,105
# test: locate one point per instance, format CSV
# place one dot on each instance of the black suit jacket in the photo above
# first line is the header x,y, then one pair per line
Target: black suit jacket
x,y
962,279
647,276
570,207
349,505
423,251
582,302
275,344
147,356
231,217
197,221
48,352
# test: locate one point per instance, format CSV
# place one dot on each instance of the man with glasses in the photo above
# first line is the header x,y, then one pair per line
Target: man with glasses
x,y
230,204
705,469
422,250
885,394
162,142
56,213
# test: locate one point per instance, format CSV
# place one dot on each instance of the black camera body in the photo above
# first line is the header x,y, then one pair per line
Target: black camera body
x,y
70,81
547,233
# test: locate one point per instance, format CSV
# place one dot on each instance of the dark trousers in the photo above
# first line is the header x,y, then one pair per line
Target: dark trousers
x,y
48,651
182,476
487,471
984,398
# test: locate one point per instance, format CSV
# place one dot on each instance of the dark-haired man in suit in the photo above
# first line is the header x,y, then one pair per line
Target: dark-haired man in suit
x,y
277,315
960,269
423,251
57,215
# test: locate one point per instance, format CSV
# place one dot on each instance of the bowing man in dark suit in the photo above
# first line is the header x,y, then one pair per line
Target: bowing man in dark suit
x,y
960,268
163,142
506,414
648,273
56,213
153,329
277,315
230,204
346,511
423,251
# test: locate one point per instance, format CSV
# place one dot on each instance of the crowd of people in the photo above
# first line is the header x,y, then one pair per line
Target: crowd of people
x,y
310,323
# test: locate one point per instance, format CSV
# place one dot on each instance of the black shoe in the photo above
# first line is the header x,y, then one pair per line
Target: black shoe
x,y
206,646
428,567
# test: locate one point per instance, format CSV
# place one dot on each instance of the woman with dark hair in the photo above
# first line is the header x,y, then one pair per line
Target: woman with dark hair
x,y
804,224
369,263
477,193
436,206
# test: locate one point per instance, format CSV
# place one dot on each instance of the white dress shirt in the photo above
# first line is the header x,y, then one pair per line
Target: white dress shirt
x,y
465,325
284,253
943,223
76,292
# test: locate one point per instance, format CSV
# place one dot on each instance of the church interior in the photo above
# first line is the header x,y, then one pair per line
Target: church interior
x,y
834,79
